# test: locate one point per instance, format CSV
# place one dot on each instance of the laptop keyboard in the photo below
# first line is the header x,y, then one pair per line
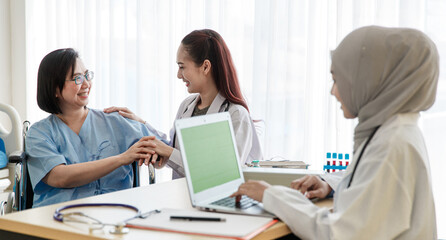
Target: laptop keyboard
x,y
244,203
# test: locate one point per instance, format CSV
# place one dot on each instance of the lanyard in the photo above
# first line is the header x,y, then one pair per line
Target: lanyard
x,y
360,155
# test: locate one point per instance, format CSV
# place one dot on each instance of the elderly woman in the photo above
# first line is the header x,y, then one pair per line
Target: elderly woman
x,y
79,152
384,77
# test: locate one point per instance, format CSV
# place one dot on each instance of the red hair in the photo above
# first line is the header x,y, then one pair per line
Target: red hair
x,y
208,44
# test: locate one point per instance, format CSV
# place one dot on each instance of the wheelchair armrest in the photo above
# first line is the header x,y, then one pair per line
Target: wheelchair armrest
x,y
16,156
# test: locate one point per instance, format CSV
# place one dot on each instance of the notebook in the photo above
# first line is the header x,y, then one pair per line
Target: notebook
x,y
211,164
233,226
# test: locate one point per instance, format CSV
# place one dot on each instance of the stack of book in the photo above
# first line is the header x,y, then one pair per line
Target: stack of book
x,y
283,164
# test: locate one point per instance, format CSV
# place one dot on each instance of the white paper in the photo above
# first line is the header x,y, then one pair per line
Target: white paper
x,y
234,226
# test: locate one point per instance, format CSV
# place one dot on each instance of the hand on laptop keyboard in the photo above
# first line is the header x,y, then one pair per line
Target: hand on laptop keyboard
x,y
245,202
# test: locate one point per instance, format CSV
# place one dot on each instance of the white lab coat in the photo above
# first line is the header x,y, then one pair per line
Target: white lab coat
x,y
390,196
245,134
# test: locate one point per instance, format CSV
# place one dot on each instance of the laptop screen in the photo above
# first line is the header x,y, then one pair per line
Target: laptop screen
x,y
210,154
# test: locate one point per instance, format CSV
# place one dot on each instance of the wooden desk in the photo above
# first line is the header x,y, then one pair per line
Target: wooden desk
x,y
39,221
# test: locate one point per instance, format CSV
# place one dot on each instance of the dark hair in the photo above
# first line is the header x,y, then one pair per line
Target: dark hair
x,y
208,44
52,74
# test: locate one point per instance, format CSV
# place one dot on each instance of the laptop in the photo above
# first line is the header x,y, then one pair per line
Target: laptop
x,y
211,164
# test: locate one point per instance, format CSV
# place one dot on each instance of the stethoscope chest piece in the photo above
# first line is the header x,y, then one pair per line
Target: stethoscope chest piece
x,y
119,229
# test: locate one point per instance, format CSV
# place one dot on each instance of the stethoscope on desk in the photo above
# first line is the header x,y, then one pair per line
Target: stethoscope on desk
x,y
95,224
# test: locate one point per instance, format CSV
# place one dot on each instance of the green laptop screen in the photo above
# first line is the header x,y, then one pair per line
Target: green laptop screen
x,y
210,155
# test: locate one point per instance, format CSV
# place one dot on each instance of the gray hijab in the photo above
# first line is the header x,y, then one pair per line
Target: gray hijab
x,y
384,71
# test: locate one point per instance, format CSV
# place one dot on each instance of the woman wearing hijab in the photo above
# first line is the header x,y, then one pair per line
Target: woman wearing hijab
x,y
384,77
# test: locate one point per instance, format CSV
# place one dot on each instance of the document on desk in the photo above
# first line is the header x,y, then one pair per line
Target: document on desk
x,y
194,222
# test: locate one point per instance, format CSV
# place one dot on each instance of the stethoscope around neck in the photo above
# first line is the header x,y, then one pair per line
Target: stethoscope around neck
x,y
226,102
96,224
360,155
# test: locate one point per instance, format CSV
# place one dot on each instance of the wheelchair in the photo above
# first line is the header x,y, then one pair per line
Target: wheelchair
x,y
22,195
12,143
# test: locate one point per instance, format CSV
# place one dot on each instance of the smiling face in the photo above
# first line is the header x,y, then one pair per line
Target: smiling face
x,y
74,97
192,75
335,92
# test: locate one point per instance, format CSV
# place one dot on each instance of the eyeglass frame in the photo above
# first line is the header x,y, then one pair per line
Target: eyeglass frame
x,y
79,79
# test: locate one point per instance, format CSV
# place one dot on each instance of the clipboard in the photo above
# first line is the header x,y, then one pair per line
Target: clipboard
x,y
235,227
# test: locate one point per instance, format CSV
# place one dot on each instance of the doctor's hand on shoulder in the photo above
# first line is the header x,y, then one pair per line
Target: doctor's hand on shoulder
x,y
125,112
312,187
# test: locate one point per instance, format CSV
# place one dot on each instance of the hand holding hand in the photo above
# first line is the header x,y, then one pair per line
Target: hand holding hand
x,y
139,151
162,154
162,161
125,112
252,189
312,187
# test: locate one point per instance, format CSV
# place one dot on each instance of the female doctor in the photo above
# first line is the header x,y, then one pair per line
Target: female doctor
x,y
205,66
384,77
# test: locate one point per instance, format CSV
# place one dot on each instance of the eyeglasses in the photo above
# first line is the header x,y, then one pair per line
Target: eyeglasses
x,y
79,79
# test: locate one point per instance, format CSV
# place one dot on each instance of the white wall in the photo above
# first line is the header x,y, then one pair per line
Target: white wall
x,y
13,89
18,85
5,58
5,50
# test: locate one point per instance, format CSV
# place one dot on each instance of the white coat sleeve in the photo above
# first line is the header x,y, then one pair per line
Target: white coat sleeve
x,y
241,122
158,134
176,162
332,179
303,217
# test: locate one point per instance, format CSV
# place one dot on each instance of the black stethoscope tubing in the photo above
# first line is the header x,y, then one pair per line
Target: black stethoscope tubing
x,y
360,155
58,216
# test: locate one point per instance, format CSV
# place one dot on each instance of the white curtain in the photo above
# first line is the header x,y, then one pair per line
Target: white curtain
x,y
280,49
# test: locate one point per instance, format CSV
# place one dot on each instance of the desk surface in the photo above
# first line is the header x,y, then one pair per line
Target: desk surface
x,y
173,194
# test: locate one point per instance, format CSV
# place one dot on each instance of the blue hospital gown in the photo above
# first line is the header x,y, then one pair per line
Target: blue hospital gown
x,y
50,142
